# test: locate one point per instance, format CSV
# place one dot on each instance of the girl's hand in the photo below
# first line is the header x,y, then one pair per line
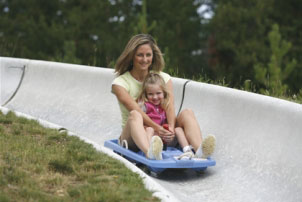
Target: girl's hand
x,y
167,134
167,127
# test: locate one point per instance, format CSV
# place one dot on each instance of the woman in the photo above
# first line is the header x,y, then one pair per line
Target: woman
x,y
140,56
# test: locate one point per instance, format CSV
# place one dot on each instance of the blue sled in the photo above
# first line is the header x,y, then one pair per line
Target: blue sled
x,y
157,166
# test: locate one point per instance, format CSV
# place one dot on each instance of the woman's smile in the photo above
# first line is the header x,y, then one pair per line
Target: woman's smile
x,y
143,57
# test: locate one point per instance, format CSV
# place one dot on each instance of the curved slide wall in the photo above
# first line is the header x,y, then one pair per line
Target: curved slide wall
x,y
259,146
11,73
259,138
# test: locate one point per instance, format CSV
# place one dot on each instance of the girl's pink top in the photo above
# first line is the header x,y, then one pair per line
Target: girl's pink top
x,y
156,113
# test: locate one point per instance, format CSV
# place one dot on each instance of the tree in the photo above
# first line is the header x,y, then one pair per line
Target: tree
x,y
288,15
237,42
273,75
178,33
142,25
95,32
30,29
236,39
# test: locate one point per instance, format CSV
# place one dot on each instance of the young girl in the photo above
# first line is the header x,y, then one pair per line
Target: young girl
x,y
154,99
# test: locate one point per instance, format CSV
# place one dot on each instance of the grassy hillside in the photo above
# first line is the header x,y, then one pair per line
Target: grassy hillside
x,y
40,164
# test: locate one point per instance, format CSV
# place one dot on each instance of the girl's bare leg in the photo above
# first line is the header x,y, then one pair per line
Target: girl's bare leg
x,y
187,120
181,138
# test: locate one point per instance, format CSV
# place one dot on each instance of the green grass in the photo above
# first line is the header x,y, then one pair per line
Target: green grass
x,y
40,164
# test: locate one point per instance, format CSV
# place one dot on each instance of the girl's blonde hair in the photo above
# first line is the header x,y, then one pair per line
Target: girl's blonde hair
x,y
125,61
154,78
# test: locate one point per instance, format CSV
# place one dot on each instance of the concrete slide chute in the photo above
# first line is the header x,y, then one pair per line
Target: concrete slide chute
x,y
259,138
74,96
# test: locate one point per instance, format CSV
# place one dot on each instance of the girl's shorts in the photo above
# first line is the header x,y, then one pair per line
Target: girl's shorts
x,y
173,143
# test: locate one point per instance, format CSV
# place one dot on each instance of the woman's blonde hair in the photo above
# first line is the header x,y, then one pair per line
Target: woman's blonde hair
x,y
154,78
125,61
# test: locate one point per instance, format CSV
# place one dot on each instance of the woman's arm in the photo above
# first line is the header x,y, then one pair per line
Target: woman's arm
x,y
124,97
170,112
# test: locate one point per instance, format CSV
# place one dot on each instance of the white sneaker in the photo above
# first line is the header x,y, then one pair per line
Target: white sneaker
x,y
155,149
185,156
206,148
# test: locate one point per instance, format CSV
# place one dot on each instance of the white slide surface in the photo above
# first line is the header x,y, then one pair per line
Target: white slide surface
x,y
259,138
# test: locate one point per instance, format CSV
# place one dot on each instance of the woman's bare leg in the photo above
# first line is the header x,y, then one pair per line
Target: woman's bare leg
x,y
187,120
135,133
150,132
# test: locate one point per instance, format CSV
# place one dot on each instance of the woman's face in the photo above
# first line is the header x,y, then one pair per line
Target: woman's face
x,y
143,57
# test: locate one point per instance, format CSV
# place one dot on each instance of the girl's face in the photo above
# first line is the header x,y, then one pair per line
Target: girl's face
x,y
143,57
155,94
